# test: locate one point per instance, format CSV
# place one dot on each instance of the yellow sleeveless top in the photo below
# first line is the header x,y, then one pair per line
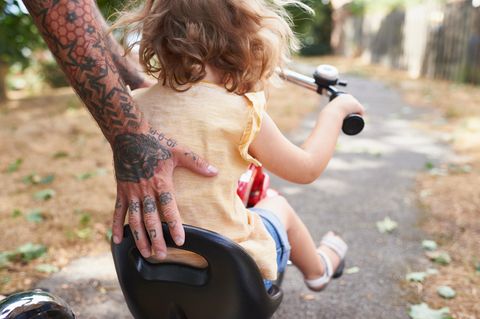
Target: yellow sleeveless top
x,y
219,126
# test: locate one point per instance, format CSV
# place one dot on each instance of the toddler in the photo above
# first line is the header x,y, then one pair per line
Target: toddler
x,y
214,60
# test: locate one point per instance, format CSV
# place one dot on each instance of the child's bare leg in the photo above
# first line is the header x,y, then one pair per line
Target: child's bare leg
x,y
303,252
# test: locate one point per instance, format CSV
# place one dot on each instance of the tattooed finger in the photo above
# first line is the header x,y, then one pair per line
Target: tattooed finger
x,y
149,205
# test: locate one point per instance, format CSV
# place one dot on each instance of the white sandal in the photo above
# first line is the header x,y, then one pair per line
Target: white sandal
x,y
340,248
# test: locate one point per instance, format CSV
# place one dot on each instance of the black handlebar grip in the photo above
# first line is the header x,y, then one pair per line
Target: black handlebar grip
x,y
353,124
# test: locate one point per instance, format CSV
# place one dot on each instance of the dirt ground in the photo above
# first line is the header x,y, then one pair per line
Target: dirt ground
x,y
52,134
449,192
50,144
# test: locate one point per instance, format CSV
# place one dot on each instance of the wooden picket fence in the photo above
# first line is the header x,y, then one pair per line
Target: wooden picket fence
x,y
427,39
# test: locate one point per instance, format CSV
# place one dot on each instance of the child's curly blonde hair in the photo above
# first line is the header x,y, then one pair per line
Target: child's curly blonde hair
x,y
245,40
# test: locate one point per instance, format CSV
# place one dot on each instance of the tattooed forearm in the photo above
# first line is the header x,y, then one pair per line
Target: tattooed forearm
x,y
74,34
136,156
128,68
149,205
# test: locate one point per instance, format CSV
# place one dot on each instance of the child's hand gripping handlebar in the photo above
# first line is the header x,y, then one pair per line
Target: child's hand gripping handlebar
x,y
324,80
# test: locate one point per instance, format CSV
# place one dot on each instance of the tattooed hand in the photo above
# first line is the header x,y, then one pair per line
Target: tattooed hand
x,y
144,167
144,159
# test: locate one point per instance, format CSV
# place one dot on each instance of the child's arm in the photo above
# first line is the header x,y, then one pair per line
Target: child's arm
x,y
303,165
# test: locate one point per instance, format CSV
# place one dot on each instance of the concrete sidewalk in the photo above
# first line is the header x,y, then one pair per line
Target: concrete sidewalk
x,y
371,177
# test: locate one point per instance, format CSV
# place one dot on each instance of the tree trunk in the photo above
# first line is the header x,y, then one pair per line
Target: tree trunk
x,y
3,82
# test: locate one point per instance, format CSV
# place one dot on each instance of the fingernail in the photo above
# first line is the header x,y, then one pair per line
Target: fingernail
x,y
212,169
116,239
179,240
145,253
161,255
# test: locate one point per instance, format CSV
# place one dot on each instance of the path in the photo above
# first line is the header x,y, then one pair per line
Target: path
x,y
372,176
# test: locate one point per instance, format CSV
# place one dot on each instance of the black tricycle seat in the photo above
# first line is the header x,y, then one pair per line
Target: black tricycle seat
x,y
230,287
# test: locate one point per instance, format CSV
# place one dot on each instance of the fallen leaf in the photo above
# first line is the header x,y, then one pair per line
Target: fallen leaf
x,y
352,270
60,154
416,276
387,225
429,166
5,258
423,311
31,251
446,292
14,166
47,268
308,297
429,245
47,179
85,219
84,233
108,235
85,176
432,271
45,194
35,216
439,257
16,213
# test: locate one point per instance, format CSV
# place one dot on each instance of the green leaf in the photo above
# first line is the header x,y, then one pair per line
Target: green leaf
x,y
387,225
5,280
429,165
432,271
108,235
35,216
14,166
88,175
31,251
85,219
31,179
101,172
423,311
416,276
47,179
60,154
47,268
84,233
45,194
34,179
16,213
85,176
429,245
446,292
439,257
352,270
5,258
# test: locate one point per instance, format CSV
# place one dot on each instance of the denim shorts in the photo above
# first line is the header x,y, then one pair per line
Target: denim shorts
x,y
277,230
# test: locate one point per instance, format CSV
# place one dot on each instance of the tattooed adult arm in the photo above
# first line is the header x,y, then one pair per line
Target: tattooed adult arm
x,y
144,159
128,67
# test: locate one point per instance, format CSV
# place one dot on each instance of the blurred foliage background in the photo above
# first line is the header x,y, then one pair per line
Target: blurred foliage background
x,y
18,50
432,38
